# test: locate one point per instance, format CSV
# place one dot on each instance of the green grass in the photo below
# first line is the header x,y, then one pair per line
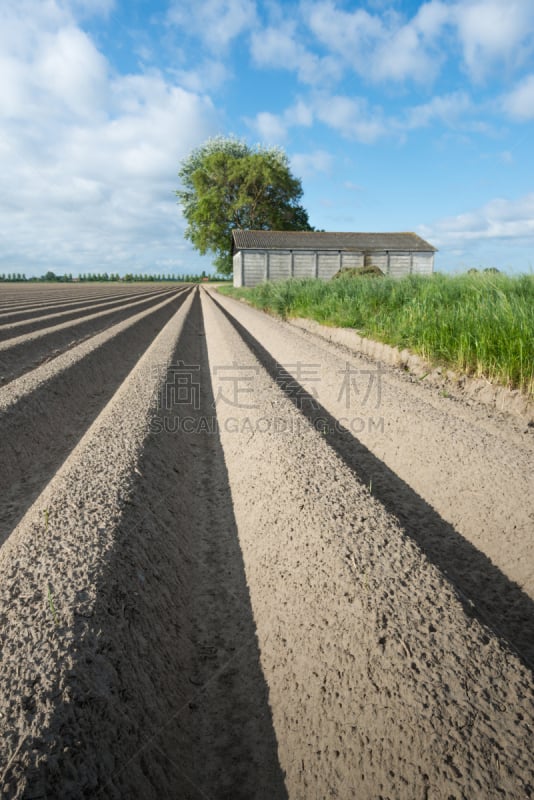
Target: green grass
x,y
481,324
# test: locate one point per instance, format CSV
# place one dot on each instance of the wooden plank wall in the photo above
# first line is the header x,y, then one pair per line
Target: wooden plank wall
x,y
304,265
400,264
236,261
254,268
351,260
329,264
423,263
379,260
279,265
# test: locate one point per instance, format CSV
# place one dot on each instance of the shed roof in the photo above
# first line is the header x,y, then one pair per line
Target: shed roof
x,y
318,240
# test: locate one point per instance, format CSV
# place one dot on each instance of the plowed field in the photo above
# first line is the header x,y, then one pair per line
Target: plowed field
x,y
239,561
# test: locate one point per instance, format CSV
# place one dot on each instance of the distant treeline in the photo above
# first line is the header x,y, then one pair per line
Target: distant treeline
x,y
18,277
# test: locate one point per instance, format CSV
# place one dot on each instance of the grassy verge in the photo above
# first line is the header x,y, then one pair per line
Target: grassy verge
x,y
481,324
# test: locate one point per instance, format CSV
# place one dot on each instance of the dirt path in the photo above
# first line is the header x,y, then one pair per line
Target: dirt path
x,y
226,591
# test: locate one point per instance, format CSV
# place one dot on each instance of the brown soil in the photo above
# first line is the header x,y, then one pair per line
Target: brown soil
x,y
234,569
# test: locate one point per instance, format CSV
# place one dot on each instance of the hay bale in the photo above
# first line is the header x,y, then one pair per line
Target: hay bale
x,y
356,272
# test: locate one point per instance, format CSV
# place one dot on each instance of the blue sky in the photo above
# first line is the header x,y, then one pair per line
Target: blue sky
x,y
396,115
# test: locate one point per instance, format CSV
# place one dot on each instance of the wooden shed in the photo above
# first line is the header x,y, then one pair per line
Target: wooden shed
x,y
276,255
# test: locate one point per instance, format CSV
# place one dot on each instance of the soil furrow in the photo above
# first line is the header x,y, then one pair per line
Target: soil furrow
x,y
74,298
161,686
227,747
43,418
62,313
30,381
70,720
219,587
380,682
459,485
10,302
22,353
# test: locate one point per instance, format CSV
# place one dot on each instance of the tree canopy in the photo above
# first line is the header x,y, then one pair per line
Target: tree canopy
x,y
228,185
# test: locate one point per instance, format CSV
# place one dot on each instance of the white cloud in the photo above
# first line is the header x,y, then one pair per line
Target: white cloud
x,y
208,75
519,103
354,119
275,47
498,219
351,117
216,22
432,18
494,32
281,48
389,46
273,128
380,47
307,164
300,114
344,32
88,162
401,56
46,60
90,8
270,127
68,67
445,108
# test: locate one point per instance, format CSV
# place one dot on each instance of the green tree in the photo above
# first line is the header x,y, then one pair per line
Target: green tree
x,y
227,185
